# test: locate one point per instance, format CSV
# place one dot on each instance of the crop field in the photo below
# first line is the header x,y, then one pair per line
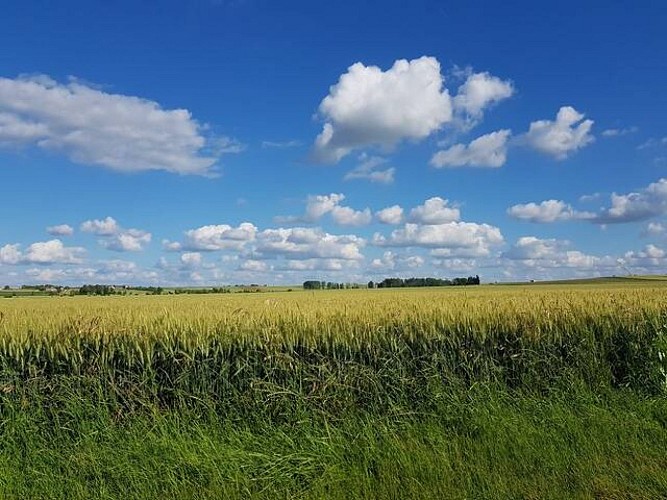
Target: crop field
x,y
537,391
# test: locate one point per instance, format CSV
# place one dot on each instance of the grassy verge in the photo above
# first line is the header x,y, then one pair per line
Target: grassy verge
x,y
477,444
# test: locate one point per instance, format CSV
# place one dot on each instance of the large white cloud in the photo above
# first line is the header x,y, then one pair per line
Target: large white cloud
x,y
435,210
390,215
454,238
10,254
562,137
115,237
215,237
317,206
650,259
304,243
480,91
60,230
648,202
533,252
42,252
92,127
391,261
546,211
101,227
346,216
489,150
371,107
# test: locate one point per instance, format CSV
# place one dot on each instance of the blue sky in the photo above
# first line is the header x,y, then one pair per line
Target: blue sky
x,y
220,142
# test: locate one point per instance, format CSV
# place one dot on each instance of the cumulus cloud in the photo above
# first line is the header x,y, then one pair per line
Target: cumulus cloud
x,y
317,206
435,210
191,260
60,230
254,266
115,237
489,150
390,215
42,252
654,229
371,107
131,240
635,206
368,169
480,91
546,211
346,216
534,252
319,265
648,259
101,227
92,127
452,238
391,261
303,243
643,204
215,237
562,137
10,254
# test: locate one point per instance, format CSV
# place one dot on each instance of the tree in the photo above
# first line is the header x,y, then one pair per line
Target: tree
x,y
371,284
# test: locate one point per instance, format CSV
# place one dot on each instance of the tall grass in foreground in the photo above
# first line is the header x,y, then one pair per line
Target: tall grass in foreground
x,y
491,392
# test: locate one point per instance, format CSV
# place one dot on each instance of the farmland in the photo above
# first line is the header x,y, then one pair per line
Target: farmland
x,y
510,391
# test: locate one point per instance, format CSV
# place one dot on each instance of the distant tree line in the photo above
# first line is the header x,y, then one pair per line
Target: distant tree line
x,y
97,290
327,285
419,282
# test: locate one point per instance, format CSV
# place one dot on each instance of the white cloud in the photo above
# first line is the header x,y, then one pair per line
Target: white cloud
x,y
648,259
254,266
546,211
92,127
532,252
640,205
562,137
318,206
654,229
320,265
346,216
104,227
10,254
617,132
480,91
304,243
435,210
281,145
217,237
132,240
454,238
390,215
115,237
60,230
371,107
191,260
53,251
489,150
368,169
391,261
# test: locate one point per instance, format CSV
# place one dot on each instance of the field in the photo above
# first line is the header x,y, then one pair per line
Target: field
x,y
536,391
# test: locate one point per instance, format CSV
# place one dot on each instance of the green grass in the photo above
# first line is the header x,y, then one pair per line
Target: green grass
x,y
477,444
